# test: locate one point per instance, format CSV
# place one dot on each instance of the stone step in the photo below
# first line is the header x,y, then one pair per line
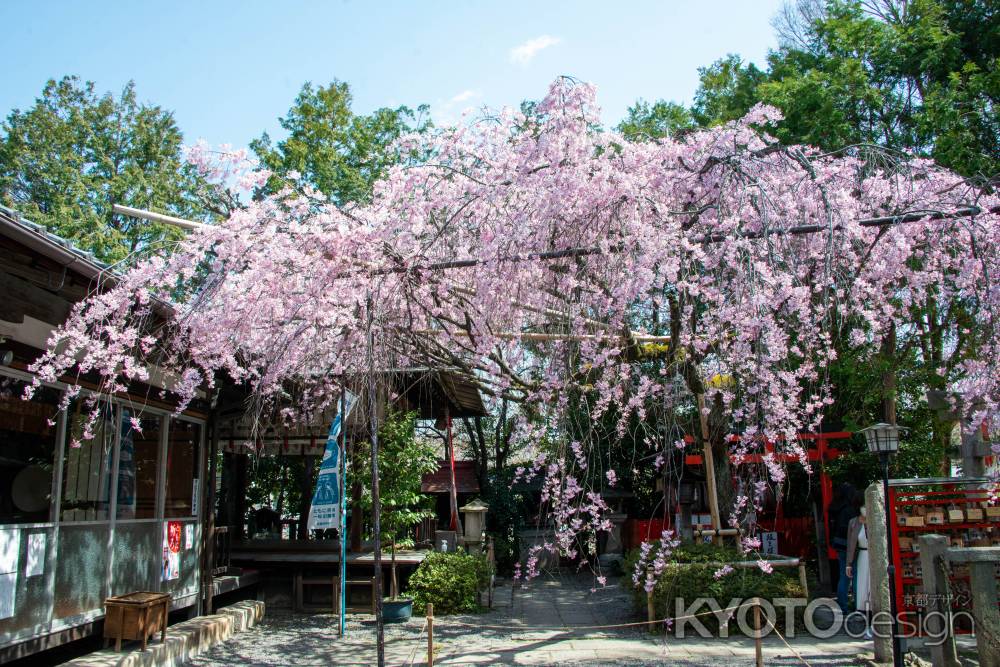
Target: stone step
x,y
184,640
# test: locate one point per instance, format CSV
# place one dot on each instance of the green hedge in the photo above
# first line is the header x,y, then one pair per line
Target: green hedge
x,y
449,581
689,576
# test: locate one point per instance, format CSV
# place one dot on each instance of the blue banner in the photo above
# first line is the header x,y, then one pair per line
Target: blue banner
x,y
324,513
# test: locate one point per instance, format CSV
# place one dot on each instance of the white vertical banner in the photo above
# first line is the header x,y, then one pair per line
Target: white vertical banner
x,y
324,512
10,552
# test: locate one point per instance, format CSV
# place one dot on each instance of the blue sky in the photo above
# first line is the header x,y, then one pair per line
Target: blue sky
x,y
229,69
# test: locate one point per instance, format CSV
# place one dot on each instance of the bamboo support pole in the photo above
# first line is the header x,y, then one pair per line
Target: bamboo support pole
x,y
190,225
713,492
716,532
533,336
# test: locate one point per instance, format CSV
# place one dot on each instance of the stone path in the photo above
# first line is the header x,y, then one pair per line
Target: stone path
x,y
510,635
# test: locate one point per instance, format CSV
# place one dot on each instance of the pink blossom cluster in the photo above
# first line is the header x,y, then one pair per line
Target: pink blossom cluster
x,y
653,560
536,254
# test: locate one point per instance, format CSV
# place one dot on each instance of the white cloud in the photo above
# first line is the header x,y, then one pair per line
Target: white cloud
x,y
522,54
464,96
449,111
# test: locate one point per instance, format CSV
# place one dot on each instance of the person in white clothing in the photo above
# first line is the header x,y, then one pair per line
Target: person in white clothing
x,y
860,570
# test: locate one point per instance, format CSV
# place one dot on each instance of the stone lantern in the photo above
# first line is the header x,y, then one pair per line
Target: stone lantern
x,y
474,519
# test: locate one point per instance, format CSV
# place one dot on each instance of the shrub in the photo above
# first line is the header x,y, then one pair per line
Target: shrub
x,y
449,581
691,575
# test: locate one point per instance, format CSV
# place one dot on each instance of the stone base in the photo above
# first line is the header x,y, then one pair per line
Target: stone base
x,y
184,640
611,563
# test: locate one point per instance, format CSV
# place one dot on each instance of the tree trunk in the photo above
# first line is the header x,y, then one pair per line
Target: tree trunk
x,y
356,492
888,353
307,482
394,584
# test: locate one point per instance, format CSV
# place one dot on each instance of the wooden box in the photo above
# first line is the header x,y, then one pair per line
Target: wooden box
x,y
136,616
935,518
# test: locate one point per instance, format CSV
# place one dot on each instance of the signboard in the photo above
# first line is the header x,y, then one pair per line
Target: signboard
x,y
324,513
769,544
171,550
36,555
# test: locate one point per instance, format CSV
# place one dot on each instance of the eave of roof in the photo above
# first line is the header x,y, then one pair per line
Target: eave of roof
x,y
56,248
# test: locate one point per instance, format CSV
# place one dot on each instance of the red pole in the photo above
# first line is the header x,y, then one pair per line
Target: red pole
x,y
452,490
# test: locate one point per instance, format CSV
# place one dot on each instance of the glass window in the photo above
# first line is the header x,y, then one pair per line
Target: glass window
x,y
27,448
81,570
183,448
137,464
87,464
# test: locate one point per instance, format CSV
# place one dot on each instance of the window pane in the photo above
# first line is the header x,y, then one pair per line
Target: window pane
x,y
32,597
27,445
182,468
138,559
137,464
87,465
81,569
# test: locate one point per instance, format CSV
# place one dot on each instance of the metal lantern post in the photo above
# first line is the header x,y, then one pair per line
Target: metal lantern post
x,y
883,439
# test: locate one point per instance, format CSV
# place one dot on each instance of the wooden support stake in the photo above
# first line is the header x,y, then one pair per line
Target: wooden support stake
x,y
650,612
758,645
803,580
430,634
713,492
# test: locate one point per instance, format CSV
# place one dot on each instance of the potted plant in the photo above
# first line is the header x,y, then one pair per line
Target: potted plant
x,y
403,461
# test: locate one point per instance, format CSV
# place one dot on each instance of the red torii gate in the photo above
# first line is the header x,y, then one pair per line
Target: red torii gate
x,y
821,452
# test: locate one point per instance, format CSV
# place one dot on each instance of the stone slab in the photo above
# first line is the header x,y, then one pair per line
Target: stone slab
x,y
184,640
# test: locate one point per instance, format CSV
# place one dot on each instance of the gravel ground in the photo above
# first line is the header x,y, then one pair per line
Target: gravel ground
x,y
510,634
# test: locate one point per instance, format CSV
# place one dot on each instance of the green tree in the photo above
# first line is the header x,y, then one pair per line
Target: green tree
x,y
915,75
69,158
336,151
727,90
651,121
403,460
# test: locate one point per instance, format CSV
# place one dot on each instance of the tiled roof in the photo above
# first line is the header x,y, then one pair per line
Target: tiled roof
x,y
11,216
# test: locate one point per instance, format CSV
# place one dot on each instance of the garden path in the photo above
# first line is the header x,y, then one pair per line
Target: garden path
x,y
517,631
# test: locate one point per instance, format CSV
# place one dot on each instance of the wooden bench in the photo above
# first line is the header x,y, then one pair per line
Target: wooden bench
x,y
333,581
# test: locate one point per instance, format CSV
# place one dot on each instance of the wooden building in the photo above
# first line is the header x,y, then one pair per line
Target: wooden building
x,y
81,520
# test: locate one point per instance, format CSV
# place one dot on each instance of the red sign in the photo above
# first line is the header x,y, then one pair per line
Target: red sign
x,y
174,536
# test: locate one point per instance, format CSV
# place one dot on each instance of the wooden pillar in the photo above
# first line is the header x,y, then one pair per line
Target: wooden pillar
x,y
239,493
709,459
208,512
309,464
454,523
430,635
